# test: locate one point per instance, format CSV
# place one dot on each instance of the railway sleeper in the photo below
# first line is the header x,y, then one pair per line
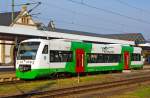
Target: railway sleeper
x,y
8,79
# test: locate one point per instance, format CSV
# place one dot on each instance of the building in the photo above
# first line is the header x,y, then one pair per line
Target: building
x,y
136,37
146,51
21,19
5,18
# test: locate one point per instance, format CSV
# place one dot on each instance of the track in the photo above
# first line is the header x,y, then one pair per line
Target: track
x,y
14,80
86,88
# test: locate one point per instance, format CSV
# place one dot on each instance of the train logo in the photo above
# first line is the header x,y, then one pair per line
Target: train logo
x,y
108,50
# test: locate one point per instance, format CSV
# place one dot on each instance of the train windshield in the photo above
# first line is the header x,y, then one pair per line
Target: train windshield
x,y
28,50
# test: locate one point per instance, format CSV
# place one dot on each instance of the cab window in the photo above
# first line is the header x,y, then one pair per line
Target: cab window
x,y
45,49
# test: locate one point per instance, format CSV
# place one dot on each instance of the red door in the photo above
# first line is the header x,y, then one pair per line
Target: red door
x,y
126,60
79,60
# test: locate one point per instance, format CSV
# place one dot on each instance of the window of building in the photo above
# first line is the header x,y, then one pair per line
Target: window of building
x,y
61,56
45,49
25,20
135,57
103,58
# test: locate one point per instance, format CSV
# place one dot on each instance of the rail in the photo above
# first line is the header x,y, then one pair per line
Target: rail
x,y
85,88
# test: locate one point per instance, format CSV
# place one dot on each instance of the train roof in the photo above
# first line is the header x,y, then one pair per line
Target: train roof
x,y
34,40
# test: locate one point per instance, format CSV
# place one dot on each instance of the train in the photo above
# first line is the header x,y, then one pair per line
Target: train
x,y
41,57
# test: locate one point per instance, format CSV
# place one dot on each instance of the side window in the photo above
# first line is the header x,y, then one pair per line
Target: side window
x,y
61,56
103,58
45,49
135,57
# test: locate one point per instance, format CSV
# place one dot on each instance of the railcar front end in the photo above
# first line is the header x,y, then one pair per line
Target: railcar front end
x,y
28,59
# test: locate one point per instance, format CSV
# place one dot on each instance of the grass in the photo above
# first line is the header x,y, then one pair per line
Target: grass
x,y
22,88
51,84
141,92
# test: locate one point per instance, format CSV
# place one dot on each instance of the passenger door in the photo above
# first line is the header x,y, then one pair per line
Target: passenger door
x,y
79,60
126,60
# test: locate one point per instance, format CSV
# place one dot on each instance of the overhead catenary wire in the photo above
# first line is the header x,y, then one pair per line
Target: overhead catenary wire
x,y
106,21
83,25
32,3
92,26
85,14
110,11
131,6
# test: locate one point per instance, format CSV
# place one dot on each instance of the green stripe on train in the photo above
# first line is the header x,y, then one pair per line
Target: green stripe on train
x,y
136,66
34,73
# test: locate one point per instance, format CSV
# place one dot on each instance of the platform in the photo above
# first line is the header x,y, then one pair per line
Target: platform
x,y
126,71
146,67
7,68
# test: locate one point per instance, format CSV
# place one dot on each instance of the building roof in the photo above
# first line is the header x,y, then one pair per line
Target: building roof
x,y
18,31
5,18
136,37
78,32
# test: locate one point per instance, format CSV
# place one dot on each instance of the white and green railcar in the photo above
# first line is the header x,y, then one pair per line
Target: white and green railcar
x,y
39,57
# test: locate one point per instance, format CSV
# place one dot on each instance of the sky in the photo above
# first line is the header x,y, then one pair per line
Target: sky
x,y
94,16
